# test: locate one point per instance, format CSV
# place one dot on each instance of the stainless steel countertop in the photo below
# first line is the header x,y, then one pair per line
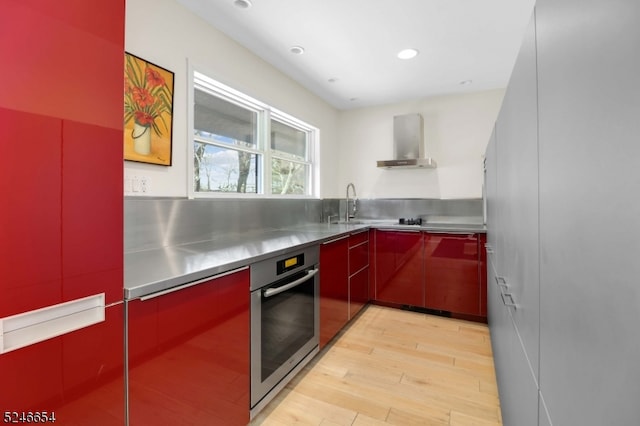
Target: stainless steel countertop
x,y
150,271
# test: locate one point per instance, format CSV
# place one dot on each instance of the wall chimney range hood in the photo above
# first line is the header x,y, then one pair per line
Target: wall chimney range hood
x,y
408,144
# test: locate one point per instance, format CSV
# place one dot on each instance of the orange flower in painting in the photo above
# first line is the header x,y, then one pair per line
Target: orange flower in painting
x,y
143,118
142,96
147,96
153,77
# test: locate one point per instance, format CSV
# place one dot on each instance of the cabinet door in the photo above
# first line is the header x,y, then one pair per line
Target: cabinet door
x,y
334,288
482,273
491,193
589,97
92,218
399,267
30,181
516,383
517,139
189,355
77,74
79,376
451,273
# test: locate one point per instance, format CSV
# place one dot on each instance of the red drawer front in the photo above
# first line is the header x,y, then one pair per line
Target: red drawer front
x,y
358,291
358,238
358,257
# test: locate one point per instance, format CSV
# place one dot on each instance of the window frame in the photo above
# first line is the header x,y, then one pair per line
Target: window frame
x,y
265,114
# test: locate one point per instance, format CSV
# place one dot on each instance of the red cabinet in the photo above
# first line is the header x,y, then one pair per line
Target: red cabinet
x,y
61,180
334,288
452,274
399,275
79,376
439,271
189,355
358,271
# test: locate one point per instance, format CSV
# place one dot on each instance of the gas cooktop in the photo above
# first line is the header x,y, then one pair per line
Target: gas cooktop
x,y
411,221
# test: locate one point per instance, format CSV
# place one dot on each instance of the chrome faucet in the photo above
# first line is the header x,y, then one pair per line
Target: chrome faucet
x,y
355,204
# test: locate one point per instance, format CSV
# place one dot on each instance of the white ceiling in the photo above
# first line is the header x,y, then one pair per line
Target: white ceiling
x,y
355,43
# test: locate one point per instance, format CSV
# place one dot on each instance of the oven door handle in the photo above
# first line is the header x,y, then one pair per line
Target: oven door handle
x,y
273,291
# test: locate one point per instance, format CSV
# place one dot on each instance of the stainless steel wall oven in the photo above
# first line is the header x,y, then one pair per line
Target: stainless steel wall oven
x,y
284,321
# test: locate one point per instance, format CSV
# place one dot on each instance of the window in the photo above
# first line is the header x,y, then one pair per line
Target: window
x,y
242,146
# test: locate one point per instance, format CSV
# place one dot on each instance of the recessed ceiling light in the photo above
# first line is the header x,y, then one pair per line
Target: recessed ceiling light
x,y
466,82
297,50
407,53
242,4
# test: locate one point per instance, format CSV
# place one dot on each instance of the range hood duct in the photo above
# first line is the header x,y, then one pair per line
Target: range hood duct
x,y
408,144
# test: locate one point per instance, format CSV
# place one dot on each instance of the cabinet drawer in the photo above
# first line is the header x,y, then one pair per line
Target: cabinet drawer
x,y
358,257
358,238
358,291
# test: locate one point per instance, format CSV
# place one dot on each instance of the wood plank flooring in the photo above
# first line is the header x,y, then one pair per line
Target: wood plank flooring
x,y
395,367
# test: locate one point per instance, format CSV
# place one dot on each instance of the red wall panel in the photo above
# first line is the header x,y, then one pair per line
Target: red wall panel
x,y
101,18
30,219
56,67
92,211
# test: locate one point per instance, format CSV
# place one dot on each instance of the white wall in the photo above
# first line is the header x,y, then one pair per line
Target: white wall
x,y
166,33
457,129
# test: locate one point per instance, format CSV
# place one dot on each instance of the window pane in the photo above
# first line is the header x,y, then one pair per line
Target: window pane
x,y
223,121
287,141
218,169
288,177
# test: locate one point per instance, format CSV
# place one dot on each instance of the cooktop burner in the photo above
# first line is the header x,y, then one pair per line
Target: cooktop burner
x,y
411,221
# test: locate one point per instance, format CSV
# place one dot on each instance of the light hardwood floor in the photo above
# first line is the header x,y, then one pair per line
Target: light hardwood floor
x,y
395,367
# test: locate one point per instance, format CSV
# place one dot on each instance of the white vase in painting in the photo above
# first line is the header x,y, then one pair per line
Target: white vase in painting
x,y
141,139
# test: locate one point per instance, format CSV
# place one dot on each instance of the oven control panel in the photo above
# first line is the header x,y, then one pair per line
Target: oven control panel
x,y
275,268
290,263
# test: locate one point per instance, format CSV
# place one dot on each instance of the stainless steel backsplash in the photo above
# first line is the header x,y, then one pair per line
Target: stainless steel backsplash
x,y
152,223
157,222
394,208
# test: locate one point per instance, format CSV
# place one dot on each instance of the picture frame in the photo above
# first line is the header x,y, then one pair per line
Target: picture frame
x,y
148,111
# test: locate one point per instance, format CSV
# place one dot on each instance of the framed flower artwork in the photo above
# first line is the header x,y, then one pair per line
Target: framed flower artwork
x,y
148,111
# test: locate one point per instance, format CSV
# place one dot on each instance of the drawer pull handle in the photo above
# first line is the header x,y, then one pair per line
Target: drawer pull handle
x,y
502,282
512,302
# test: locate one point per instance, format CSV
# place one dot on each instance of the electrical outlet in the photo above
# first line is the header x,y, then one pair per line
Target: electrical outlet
x,y
144,184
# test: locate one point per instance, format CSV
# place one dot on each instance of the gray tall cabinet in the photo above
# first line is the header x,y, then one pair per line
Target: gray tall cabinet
x,y
563,215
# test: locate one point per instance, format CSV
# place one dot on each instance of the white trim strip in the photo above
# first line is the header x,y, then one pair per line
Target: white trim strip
x,y
27,328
